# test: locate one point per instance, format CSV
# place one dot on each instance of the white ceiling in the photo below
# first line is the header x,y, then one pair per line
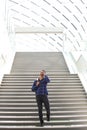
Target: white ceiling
x,y
71,15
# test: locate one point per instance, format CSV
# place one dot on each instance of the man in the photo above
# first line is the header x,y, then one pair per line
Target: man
x,y
40,88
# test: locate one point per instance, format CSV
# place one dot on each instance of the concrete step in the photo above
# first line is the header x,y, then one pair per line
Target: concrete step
x,y
49,89
35,118
39,68
51,96
35,72
61,122
51,84
33,109
35,123
34,100
50,93
35,78
52,81
49,127
27,96
31,75
53,104
23,113
32,79
48,71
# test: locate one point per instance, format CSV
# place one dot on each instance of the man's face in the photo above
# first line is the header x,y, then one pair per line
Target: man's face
x,y
42,74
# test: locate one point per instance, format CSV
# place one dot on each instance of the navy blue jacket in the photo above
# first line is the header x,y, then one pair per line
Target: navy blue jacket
x,y
41,89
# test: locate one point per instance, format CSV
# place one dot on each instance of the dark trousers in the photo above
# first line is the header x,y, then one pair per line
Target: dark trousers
x,y
40,100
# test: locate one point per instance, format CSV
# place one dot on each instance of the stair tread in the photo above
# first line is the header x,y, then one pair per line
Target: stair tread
x,y
39,127
27,92
52,116
28,112
23,100
23,121
53,103
50,89
52,81
54,96
30,107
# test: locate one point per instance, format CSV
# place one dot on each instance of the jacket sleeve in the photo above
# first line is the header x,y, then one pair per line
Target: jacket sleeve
x,y
34,87
47,80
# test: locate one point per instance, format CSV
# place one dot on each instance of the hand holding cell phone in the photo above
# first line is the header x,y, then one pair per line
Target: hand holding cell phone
x,y
37,83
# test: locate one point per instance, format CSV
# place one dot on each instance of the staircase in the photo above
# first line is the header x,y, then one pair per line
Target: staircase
x,y
18,108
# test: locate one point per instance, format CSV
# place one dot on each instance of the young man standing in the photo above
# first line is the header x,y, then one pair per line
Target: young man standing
x,y
40,88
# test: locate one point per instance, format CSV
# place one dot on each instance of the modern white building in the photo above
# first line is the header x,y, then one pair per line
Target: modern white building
x,y
44,25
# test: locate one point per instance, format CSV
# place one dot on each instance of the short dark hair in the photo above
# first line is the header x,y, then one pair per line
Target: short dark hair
x,y
44,71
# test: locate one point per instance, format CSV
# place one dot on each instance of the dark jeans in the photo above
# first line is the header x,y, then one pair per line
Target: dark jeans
x,y
40,100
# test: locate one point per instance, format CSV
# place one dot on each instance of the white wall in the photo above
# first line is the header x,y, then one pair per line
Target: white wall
x,y
70,63
6,50
77,64
82,69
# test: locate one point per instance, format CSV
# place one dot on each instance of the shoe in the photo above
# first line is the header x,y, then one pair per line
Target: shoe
x,y
48,118
41,123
